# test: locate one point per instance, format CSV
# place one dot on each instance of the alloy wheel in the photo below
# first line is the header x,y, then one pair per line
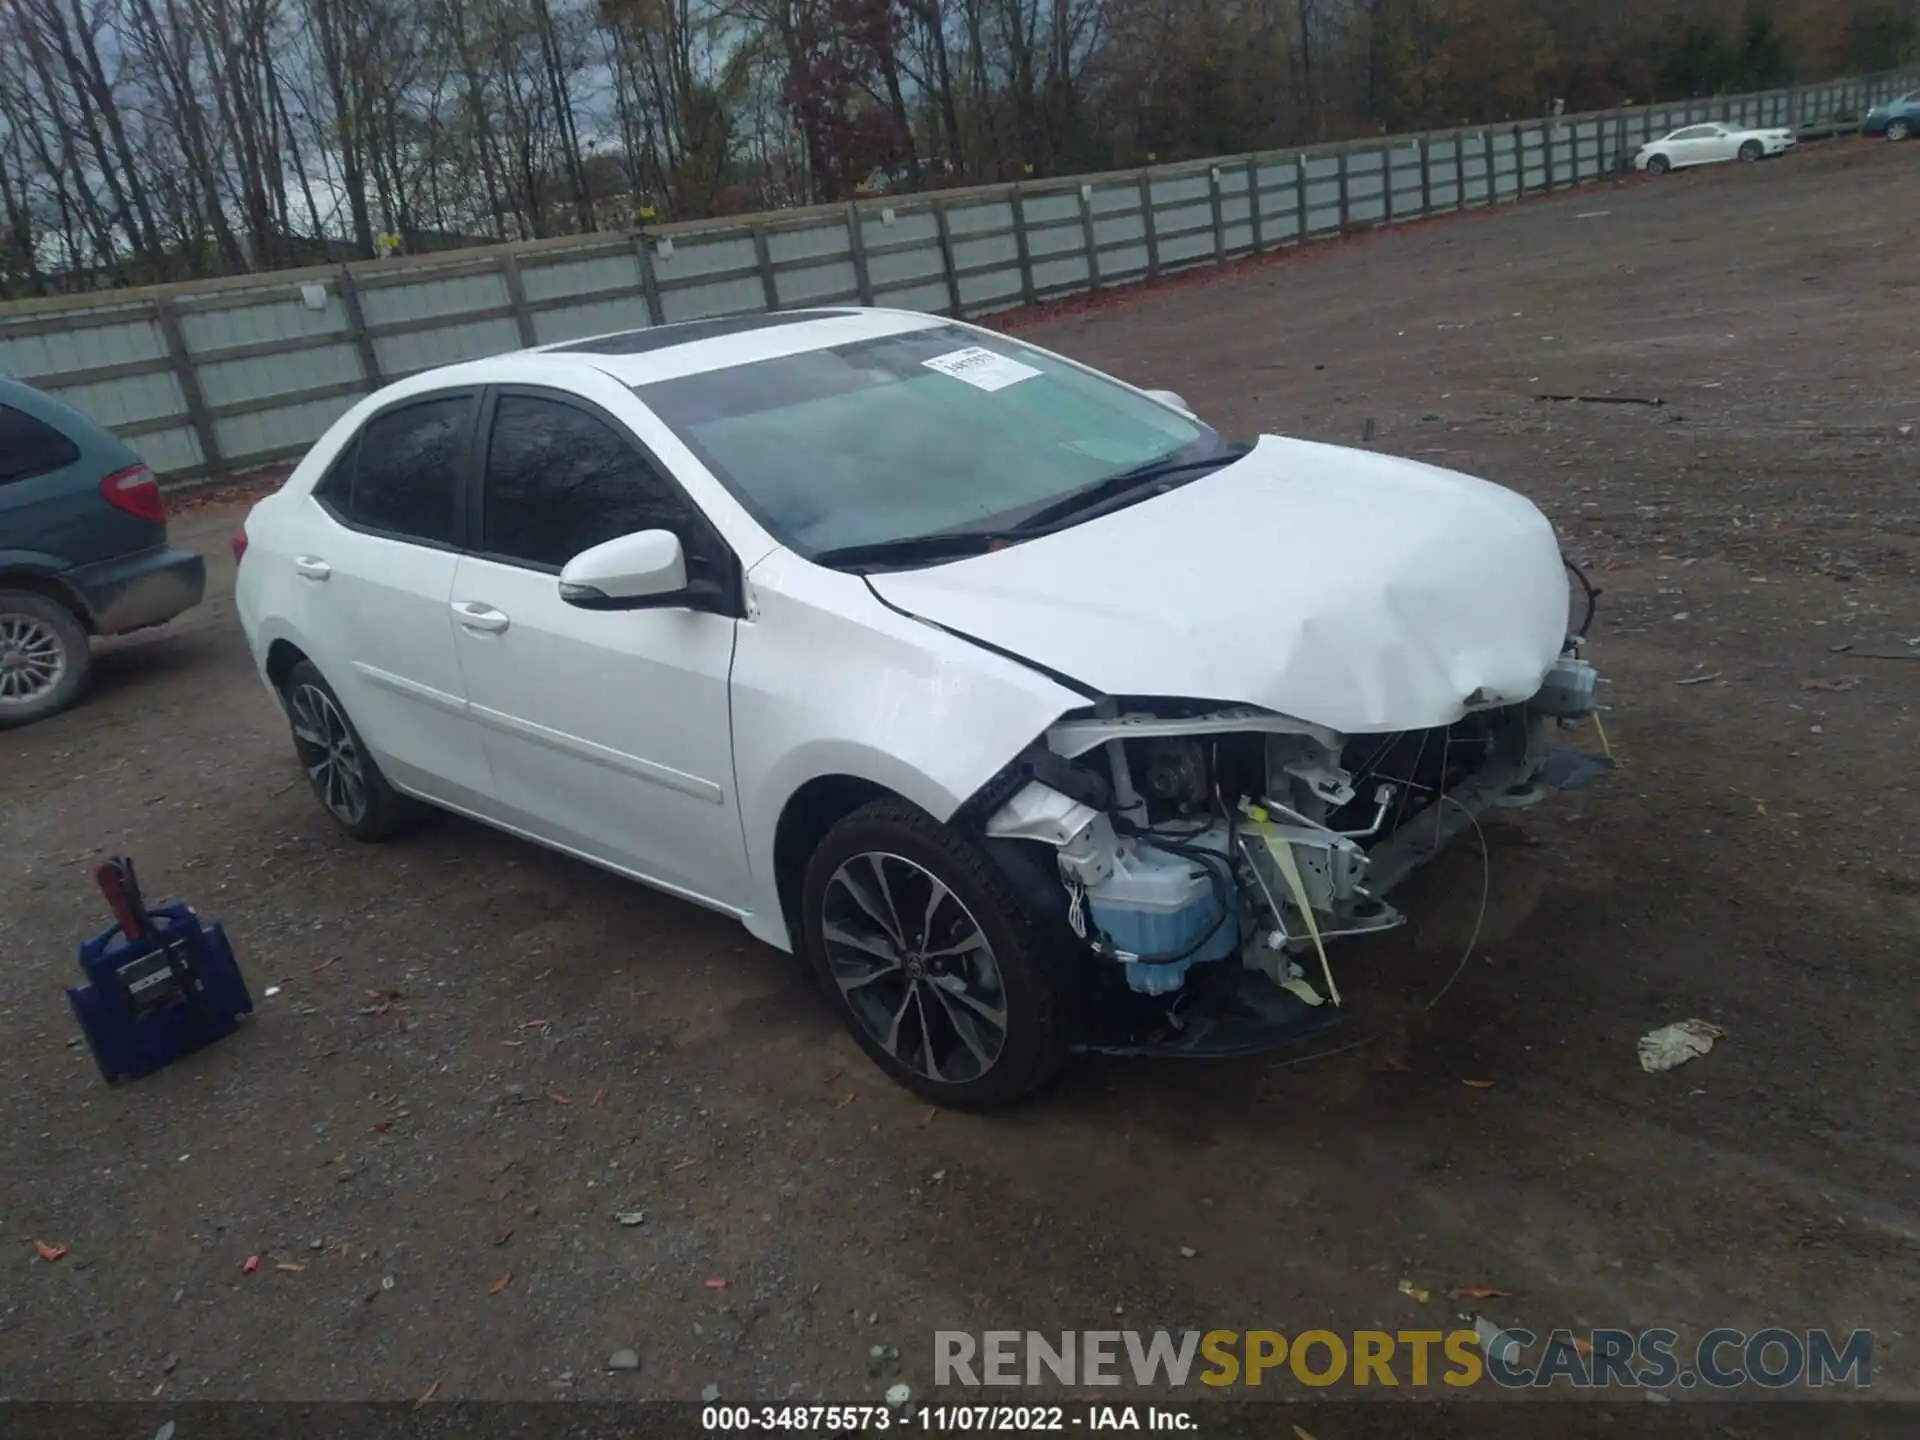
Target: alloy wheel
x,y
914,967
32,660
328,751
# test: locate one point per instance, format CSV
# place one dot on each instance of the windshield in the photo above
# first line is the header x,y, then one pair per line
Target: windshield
x,y
930,432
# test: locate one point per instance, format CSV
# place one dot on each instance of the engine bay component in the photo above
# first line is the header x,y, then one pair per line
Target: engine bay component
x,y
1231,833
1160,912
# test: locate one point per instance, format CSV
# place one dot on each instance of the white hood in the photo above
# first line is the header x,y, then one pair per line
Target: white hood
x,y
1353,590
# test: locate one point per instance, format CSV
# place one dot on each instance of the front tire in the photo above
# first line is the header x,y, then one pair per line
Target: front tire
x,y
1751,151
938,968
1658,165
1898,130
45,658
343,774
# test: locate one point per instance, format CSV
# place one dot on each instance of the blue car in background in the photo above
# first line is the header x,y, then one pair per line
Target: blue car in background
x,y
1895,119
83,551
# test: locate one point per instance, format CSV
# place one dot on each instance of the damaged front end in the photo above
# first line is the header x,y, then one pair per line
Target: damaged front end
x,y
1204,858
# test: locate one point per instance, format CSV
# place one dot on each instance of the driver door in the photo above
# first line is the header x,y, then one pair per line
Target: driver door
x,y
609,731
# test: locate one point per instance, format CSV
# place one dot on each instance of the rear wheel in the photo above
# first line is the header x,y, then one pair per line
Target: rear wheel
x,y
1751,151
1898,129
1658,165
939,969
344,776
45,658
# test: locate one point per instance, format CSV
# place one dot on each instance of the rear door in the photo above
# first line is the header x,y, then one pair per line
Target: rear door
x,y
52,462
375,570
609,730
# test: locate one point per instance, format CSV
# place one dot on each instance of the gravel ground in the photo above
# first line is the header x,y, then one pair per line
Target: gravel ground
x,y
481,1053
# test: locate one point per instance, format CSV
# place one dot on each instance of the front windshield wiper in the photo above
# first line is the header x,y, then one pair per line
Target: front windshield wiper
x,y
939,545
1102,494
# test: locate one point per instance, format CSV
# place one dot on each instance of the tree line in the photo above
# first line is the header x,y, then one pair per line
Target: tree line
x,y
147,140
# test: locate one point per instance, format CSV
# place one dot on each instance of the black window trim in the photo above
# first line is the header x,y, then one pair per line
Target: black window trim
x,y
463,477
731,600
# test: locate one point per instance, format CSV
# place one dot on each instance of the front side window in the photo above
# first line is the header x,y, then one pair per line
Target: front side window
x,y
30,447
927,433
560,480
401,475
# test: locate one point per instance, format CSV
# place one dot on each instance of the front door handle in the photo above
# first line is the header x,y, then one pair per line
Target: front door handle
x,y
312,567
480,619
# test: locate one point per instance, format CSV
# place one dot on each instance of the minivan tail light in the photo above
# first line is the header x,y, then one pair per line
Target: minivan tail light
x,y
240,544
135,492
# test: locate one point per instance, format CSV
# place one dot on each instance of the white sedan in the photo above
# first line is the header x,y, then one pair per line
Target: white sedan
x,y
1710,145
1037,716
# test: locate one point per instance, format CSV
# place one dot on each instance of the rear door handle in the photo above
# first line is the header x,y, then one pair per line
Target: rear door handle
x,y
480,619
312,567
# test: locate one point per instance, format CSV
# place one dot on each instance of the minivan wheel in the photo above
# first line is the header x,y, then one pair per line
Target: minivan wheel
x,y
343,775
935,964
45,658
1898,130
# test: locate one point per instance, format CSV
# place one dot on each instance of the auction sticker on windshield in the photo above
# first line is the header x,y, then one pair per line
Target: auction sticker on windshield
x,y
981,368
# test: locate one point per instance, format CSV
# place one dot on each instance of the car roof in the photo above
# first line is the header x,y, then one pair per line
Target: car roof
x,y
636,358
667,352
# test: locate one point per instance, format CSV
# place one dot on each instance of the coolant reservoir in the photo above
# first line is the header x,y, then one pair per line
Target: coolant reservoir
x,y
1159,903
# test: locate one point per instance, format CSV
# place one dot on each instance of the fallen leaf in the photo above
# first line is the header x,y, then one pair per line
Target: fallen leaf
x,y
926,1119
497,1286
834,1074
381,1127
716,1283
598,1096
558,1098
427,1394
1407,1287
1834,686
1299,1434
1580,1347
1478,1292
502,1238
250,1264
515,1044
1478,1084
291,1267
683,1164
50,1253
844,1101
323,964
533,1024
1394,1062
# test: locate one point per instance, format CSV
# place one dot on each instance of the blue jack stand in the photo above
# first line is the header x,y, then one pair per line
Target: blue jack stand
x,y
162,983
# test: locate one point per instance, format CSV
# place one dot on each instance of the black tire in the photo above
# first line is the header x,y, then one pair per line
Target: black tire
x,y
343,775
45,658
1751,150
1017,976
1898,130
1658,165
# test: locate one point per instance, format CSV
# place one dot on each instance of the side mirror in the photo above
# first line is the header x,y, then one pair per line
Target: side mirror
x,y
1167,397
626,573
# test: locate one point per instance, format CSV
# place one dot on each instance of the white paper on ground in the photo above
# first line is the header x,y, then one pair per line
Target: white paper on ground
x,y
1673,1045
981,368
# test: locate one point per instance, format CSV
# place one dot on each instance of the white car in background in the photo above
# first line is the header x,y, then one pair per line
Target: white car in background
x,y
1710,145
1036,715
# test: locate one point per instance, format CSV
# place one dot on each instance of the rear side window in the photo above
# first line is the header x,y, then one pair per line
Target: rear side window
x,y
30,447
560,480
401,476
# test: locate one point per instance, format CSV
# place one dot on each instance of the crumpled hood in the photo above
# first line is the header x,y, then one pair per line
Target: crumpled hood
x,y
1357,591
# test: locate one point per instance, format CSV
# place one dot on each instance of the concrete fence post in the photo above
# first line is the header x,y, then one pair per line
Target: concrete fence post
x,y
517,297
943,229
1253,204
357,328
1027,292
1151,230
188,378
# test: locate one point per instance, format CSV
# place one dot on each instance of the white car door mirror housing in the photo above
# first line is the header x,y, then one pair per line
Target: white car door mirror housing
x,y
1168,397
629,572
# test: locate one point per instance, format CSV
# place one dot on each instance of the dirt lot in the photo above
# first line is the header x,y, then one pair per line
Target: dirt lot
x,y
481,1052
